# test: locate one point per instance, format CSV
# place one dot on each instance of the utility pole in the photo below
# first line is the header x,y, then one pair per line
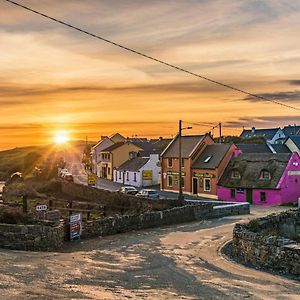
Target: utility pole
x,y
220,133
180,195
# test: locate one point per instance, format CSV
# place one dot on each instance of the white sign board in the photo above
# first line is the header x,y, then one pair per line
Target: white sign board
x,y
291,173
42,207
75,218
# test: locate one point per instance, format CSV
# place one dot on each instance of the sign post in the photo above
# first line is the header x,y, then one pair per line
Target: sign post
x,y
92,179
75,226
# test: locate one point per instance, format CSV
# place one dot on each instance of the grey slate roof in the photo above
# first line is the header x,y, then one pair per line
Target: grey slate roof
x,y
216,152
113,147
290,130
250,166
296,140
266,133
254,148
134,164
188,142
281,148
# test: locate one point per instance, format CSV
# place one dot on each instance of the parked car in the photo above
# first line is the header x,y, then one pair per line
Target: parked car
x,y
68,177
62,172
147,193
129,190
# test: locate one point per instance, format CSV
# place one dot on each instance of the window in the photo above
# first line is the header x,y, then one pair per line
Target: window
x,y
235,174
120,175
263,197
108,171
207,185
208,158
182,162
108,156
127,176
134,177
240,190
170,180
265,174
232,193
170,162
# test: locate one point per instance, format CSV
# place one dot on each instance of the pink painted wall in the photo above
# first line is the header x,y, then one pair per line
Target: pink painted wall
x,y
287,190
224,194
290,184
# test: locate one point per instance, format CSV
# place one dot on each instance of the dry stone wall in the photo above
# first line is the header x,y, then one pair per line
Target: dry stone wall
x,y
31,237
271,242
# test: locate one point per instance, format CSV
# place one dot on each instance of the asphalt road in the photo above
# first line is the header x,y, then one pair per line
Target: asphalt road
x,y
174,262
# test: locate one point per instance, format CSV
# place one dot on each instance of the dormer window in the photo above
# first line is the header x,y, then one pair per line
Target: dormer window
x,y
265,175
235,174
208,158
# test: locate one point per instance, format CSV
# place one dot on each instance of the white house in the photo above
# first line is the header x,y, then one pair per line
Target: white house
x,y
293,143
139,171
272,135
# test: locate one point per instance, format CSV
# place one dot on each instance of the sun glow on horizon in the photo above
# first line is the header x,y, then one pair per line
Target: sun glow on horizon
x,y
61,137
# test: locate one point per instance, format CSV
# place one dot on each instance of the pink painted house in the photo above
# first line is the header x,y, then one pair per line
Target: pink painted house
x,y
261,179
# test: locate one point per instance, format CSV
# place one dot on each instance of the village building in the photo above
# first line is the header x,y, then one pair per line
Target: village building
x,y
293,143
114,156
271,135
139,171
208,168
191,147
265,179
291,130
104,143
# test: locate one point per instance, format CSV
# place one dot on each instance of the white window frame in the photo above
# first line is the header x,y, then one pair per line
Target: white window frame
x,y
204,184
168,180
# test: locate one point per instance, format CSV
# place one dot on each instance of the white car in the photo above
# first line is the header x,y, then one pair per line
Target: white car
x,y
129,190
62,172
147,193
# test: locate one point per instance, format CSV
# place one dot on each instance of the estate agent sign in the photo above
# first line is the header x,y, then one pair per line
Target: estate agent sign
x,y
75,226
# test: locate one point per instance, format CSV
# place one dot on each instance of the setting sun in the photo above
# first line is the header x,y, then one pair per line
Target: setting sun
x,y
61,137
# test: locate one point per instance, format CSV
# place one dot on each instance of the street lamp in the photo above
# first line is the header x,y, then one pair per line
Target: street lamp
x,y
180,195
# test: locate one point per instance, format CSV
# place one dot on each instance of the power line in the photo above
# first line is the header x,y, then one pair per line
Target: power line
x,y
153,58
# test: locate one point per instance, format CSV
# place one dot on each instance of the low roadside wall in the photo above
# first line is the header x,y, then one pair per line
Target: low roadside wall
x,y
31,237
266,242
187,213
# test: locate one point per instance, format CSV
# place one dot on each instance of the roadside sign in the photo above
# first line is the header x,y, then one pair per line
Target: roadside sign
x,y
41,207
75,226
92,179
147,174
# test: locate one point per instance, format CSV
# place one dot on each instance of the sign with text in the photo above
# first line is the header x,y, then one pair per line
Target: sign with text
x,y
147,175
204,175
75,226
175,173
41,207
92,179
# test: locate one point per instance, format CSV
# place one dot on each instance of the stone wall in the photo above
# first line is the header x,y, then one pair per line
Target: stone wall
x,y
187,213
31,237
266,242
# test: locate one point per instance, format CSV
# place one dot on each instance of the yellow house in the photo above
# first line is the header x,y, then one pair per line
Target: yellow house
x,y
114,156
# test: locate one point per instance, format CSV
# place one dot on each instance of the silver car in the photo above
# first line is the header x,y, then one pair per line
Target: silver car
x,y
147,193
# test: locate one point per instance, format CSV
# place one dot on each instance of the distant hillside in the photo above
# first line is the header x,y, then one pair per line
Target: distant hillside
x,y
19,160
25,159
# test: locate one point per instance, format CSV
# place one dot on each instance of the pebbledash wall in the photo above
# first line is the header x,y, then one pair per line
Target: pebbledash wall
x,y
270,242
31,237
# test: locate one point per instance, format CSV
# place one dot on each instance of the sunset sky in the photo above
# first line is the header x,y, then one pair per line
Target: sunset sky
x,y
54,78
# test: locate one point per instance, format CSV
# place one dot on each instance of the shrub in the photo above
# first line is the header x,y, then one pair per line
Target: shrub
x,y
12,215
